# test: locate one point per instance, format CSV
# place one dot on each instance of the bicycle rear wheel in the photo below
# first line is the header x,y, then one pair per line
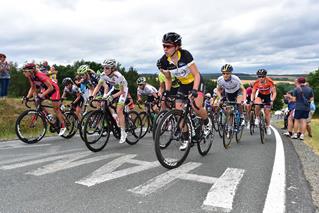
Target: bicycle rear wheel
x,y
95,127
169,132
30,126
81,125
133,124
239,133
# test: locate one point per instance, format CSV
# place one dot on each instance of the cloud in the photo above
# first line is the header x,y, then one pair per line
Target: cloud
x,y
281,36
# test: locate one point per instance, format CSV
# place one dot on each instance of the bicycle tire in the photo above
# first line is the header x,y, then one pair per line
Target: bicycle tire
x,y
133,123
71,124
18,126
98,118
228,132
252,123
262,128
146,123
170,122
205,144
156,121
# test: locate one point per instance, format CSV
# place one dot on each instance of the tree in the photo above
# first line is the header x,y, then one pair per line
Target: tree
x,y
313,79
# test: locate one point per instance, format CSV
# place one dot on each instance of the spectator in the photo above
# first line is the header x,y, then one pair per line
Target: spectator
x,y
290,115
44,67
52,73
4,76
312,111
303,95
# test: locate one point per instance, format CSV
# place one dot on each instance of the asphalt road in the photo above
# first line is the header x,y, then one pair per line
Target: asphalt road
x,y
59,175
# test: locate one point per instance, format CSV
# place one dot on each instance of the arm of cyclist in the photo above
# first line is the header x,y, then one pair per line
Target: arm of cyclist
x,y
49,89
194,70
273,93
168,81
243,90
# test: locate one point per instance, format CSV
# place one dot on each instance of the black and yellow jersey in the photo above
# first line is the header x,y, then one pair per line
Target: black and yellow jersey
x,y
181,71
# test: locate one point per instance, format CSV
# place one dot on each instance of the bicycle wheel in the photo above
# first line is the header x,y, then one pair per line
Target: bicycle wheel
x,y
215,117
262,128
252,123
71,124
156,121
81,125
146,123
205,143
94,127
133,124
239,132
30,126
170,128
228,131
221,123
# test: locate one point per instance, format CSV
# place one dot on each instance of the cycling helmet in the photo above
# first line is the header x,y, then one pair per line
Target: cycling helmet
x,y
141,80
227,68
172,38
208,95
158,64
3,55
109,63
83,69
261,73
67,81
29,66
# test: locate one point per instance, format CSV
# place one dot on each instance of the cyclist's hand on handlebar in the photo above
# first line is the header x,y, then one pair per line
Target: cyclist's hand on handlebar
x,y
166,93
194,93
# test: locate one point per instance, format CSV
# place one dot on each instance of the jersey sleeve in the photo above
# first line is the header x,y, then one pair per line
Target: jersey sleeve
x,y
164,63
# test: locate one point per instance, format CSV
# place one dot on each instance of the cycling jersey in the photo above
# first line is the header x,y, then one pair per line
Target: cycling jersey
x,y
148,90
264,88
38,80
162,78
73,91
117,81
181,71
230,86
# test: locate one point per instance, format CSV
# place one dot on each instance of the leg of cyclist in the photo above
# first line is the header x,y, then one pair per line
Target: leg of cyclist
x,y
257,110
56,108
240,100
120,113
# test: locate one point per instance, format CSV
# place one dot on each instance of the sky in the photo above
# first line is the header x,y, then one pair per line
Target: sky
x,y
281,36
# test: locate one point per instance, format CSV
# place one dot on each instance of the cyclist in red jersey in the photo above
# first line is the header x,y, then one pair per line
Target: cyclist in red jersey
x,y
44,88
266,95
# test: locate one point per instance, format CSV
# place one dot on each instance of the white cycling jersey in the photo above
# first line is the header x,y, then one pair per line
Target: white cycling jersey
x,y
148,90
117,80
230,86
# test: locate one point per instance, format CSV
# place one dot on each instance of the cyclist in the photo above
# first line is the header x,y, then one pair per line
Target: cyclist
x,y
179,62
89,79
266,95
147,90
114,78
208,101
232,87
70,89
161,79
42,86
249,89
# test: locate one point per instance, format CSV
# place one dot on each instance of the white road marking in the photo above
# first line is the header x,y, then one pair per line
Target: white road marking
x,y
16,144
70,162
28,163
276,197
106,172
221,195
162,180
35,156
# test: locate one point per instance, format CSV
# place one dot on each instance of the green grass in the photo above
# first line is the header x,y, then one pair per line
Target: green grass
x,y
311,142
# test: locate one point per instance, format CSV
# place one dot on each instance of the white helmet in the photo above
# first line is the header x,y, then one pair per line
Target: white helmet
x,y
110,63
208,95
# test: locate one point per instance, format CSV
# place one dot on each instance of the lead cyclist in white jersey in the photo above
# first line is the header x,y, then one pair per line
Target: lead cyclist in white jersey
x,y
114,78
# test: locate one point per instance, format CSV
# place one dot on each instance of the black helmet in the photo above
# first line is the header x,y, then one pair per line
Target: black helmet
x,y
172,38
158,64
67,81
227,68
261,73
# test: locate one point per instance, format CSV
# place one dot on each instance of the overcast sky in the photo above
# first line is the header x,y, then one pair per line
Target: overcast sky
x,y
279,35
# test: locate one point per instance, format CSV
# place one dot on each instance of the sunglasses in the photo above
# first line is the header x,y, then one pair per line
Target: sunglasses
x,y
107,68
226,73
168,46
261,76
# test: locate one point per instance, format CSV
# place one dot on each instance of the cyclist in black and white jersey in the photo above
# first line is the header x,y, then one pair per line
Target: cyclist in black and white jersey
x,y
233,87
70,89
179,63
114,78
145,89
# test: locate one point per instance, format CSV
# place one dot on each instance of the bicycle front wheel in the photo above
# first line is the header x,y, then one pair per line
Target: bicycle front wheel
x,y
157,120
95,127
228,131
71,124
172,131
205,143
262,128
133,127
146,123
252,123
30,126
